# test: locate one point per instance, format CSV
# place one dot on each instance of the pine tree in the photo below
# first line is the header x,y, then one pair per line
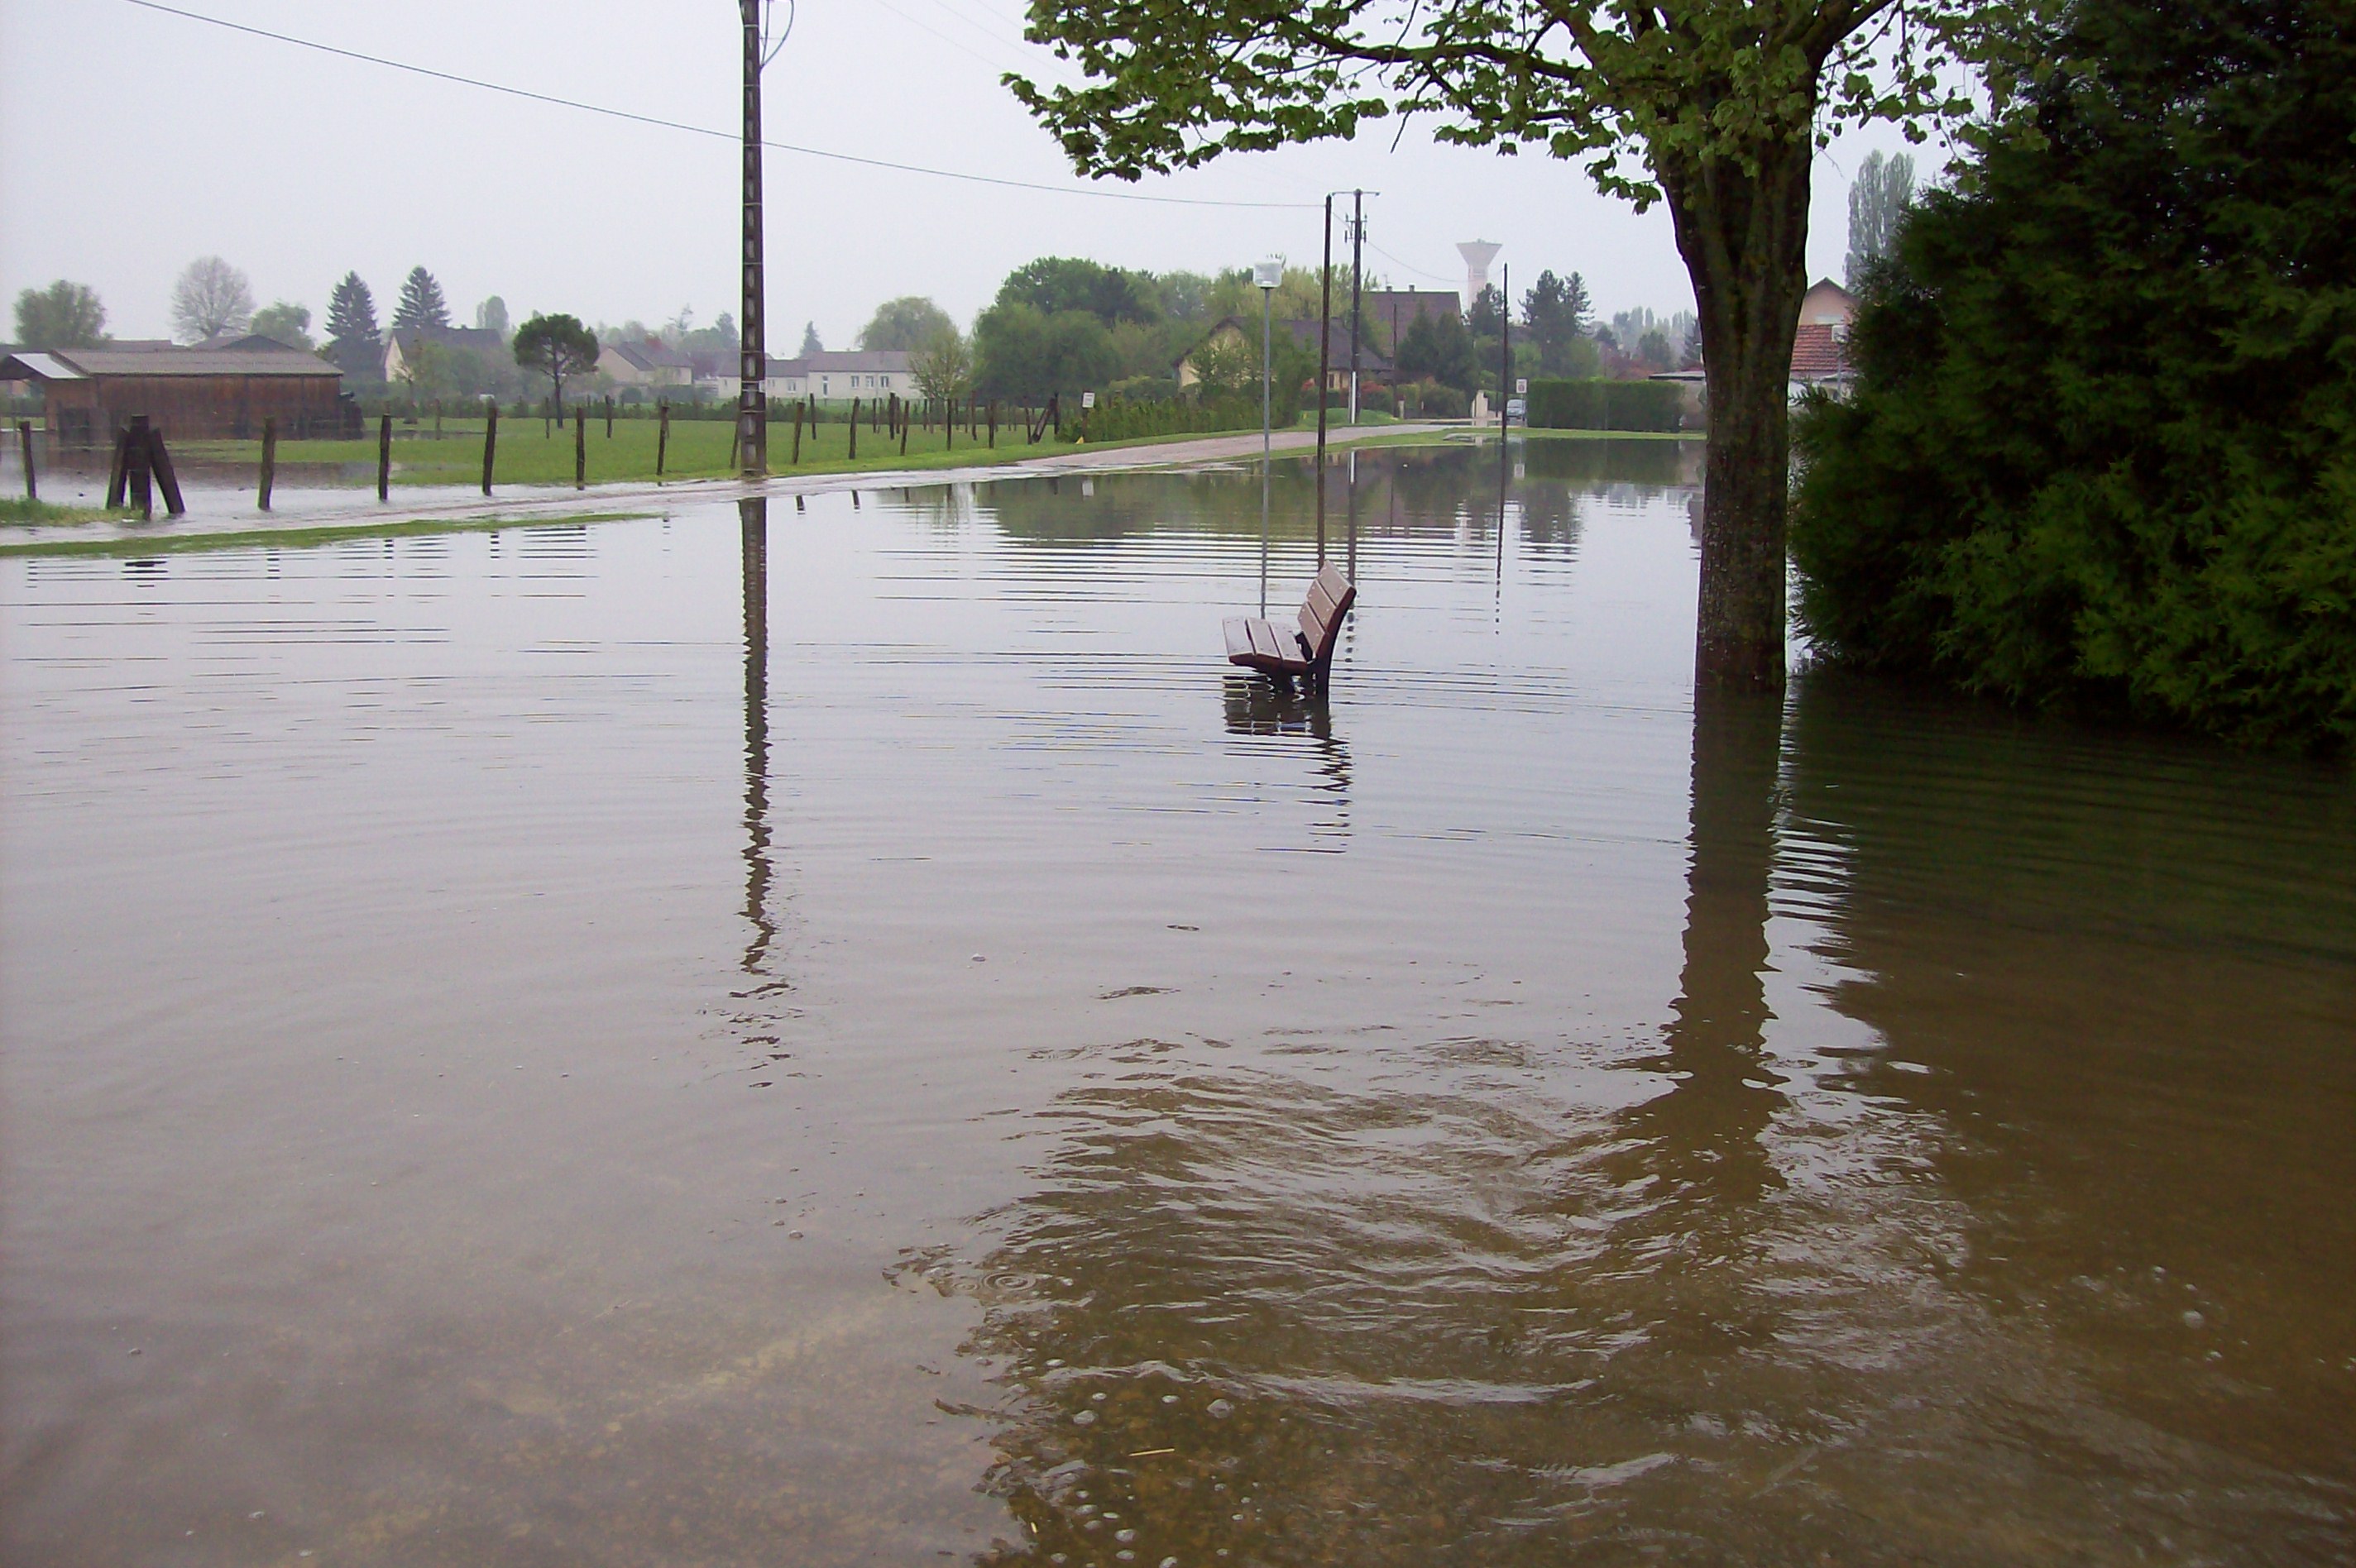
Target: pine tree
x,y
810,345
352,340
421,303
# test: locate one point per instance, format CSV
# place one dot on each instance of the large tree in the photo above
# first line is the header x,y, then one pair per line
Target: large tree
x,y
909,323
286,322
210,298
421,304
352,340
1877,200
63,315
556,346
1715,106
1560,316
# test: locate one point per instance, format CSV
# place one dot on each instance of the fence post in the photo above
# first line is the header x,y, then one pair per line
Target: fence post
x,y
798,435
580,447
854,430
490,441
143,491
993,424
609,416
25,445
269,461
384,458
662,437
118,476
159,463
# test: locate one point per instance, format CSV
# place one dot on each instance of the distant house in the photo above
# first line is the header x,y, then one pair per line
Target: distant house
x,y
1826,304
88,395
1394,311
649,362
842,374
1374,368
719,374
401,346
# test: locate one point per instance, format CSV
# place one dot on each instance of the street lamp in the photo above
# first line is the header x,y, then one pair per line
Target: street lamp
x,y
1267,275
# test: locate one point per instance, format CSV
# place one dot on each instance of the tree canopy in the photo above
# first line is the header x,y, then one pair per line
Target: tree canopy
x,y
907,324
63,315
1053,284
1715,106
2102,450
286,322
1877,200
491,316
352,340
421,303
211,297
556,346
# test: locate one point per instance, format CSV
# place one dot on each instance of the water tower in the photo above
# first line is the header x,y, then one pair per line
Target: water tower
x,y
1477,254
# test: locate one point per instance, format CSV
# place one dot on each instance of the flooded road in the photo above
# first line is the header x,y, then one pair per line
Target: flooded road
x,y
850,1036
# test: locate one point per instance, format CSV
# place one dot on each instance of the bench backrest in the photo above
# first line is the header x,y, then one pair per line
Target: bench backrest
x,y
1331,594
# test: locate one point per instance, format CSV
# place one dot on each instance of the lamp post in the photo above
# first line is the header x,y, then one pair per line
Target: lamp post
x,y
1267,275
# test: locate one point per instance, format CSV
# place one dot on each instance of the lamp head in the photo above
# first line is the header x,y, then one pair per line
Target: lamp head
x,y
1269,272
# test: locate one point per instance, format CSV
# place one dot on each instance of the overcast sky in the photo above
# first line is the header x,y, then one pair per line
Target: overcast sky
x,y
132,142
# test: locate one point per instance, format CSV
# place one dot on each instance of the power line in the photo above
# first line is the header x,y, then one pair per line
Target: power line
x,y
708,130
1394,261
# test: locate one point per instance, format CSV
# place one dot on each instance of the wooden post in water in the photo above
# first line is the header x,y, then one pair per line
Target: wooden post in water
x,y
798,435
268,462
580,447
118,476
490,441
662,437
159,463
854,430
384,458
25,445
142,492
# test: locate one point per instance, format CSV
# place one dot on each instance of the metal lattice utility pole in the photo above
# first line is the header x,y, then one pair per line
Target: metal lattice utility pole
x,y
753,359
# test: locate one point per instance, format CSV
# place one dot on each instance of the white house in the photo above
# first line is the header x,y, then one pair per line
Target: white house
x,y
401,346
838,378
650,362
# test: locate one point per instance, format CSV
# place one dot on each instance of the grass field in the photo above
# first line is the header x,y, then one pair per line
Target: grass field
x,y
300,538
532,452
17,510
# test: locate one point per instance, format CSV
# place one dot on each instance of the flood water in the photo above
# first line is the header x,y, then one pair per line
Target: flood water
x,y
853,1038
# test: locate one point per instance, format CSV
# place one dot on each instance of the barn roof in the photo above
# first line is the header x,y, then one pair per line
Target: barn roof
x,y
77,363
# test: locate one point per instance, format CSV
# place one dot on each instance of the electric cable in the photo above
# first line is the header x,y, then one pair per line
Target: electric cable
x,y
657,121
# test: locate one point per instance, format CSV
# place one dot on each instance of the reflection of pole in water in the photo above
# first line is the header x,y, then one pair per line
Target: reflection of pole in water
x,y
753,513
1350,501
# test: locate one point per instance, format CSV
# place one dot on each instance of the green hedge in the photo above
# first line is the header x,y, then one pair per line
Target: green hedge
x,y
1600,404
1126,418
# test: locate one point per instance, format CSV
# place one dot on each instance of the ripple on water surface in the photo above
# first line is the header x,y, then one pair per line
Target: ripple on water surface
x,y
854,1035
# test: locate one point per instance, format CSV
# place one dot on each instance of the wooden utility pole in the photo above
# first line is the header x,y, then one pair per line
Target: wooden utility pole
x,y
1325,369
753,361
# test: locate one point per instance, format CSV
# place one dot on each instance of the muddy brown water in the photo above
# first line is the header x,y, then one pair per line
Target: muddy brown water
x,y
520,1050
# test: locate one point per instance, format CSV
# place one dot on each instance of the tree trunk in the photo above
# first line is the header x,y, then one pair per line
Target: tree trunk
x,y
1744,235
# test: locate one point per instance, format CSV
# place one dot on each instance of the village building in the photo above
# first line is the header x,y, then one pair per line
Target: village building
x,y
838,375
649,362
1390,312
1819,349
401,346
1373,366
90,395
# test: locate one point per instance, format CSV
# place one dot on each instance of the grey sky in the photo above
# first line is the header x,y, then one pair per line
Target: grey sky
x,y
132,142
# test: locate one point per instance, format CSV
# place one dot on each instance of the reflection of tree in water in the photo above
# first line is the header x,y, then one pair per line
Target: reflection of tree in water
x,y
1255,706
2125,967
1425,1307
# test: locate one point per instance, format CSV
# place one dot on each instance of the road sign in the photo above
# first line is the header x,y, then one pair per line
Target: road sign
x,y
1522,385
1088,400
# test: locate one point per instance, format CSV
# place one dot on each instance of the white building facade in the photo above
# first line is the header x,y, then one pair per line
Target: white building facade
x,y
837,378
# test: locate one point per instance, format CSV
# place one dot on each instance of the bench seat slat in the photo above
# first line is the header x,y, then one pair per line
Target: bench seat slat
x,y
1280,649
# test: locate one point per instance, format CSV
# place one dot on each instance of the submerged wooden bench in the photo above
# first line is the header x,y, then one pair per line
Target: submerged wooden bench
x,y
1281,652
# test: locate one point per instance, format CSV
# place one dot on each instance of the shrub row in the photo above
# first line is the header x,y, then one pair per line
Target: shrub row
x,y
1602,404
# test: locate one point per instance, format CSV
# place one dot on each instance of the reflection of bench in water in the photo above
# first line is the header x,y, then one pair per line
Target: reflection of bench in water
x,y
1281,652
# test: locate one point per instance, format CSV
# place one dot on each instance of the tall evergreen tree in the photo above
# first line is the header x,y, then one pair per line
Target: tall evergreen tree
x,y
810,345
421,303
353,342
1878,201
1557,313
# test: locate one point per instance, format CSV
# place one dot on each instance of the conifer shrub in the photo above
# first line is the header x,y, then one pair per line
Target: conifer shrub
x,y
2101,450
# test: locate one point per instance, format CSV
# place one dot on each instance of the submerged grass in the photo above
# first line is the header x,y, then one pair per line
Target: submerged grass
x,y
305,537
24,512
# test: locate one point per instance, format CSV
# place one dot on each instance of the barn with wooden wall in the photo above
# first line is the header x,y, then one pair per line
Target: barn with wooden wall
x,y
190,394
